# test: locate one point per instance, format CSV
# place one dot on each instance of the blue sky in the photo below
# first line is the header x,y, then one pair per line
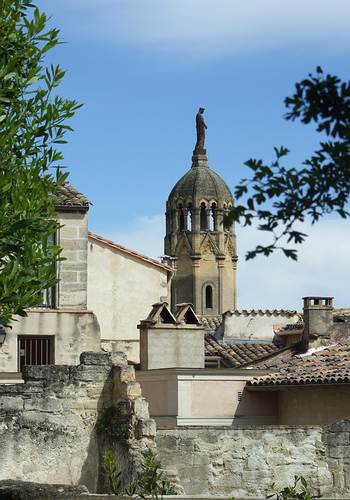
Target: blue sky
x,y
142,68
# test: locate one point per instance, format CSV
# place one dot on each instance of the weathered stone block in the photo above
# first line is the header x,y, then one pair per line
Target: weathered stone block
x,y
69,276
47,373
119,358
127,373
339,452
11,403
97,389
341,426
73,244
338,438
83,277
133,390
140,408
25,490
43,404
146,427
69,232
95,358
90,373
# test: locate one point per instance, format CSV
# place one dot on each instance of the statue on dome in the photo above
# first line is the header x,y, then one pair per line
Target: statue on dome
x,y
201,127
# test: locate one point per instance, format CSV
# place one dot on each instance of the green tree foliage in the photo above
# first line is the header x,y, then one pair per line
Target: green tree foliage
x,y
33,123
300,490
280,198
151,482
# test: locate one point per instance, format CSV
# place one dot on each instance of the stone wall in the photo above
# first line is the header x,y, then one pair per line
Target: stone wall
x,y
245,461
48,424
337,440
72,272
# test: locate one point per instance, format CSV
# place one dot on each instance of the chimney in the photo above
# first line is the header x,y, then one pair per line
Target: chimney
x,y
318,318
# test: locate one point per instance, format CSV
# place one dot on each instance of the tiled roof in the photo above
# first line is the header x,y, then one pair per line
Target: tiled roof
x,y
132,253
211,323
290,328
321,365
237,355
68,197
261,312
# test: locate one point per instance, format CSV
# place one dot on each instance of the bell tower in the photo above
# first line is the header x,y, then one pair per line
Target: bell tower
x,y
203,250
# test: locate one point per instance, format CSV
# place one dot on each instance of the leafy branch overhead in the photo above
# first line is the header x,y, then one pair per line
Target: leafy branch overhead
x,y
278,198
33,125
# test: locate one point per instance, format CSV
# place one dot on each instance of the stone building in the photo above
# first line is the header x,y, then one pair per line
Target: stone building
x,y
62,328
203,250
103,291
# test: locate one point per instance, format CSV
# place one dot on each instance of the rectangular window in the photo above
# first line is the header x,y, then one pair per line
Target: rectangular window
x,y
49,294
35,350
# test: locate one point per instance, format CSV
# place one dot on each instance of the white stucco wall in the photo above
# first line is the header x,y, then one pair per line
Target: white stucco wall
x,y
121,291
254,325
73,332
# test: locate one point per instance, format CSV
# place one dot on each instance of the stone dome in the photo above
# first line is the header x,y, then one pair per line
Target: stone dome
x,y
200,184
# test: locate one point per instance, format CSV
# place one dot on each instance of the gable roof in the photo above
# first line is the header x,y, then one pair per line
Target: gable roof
x,y
127,251
238,355
68,198
327,364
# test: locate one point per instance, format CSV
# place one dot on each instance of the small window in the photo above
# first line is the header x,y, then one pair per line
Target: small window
x,y
35,350
213,225
49,294
209,297
189,221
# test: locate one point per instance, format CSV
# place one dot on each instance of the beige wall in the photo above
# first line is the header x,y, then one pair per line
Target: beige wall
x,y
254,325
311,406
173,346
74,332
121,291
180,397
72,272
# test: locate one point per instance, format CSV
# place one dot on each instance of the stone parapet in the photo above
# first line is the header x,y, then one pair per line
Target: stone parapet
x,y
50,428
244,461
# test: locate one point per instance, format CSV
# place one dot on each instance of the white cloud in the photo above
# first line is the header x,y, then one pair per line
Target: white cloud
x,y
323,267
209,26
145,235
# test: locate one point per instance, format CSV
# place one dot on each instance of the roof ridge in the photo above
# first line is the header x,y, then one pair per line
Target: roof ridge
x,y
128,251
261,312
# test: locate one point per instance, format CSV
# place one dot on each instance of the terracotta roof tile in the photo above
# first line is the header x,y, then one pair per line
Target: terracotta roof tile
x,y
237,355
322,365
68,197
211,323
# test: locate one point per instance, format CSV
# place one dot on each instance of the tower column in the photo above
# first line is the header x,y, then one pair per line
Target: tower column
x,y
221,264
197,292
220,229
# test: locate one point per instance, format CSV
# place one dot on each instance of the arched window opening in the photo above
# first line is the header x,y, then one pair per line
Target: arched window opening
x,y
213,224
189,211
181,218
209,297
203,217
